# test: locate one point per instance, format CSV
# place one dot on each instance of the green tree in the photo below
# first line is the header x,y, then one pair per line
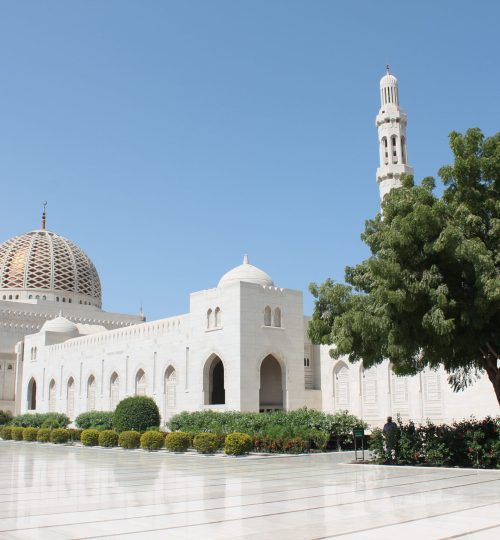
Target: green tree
x,y
429,294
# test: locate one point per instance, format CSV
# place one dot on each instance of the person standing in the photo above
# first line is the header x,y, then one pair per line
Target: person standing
x,y
390,432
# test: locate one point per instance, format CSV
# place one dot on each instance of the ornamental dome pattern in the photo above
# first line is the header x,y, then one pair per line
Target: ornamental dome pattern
x,y
43,262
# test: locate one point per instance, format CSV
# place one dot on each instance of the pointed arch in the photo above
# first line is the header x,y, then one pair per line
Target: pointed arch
x,y
271,390
209,318
214,381
170,390
70,397
217,317
32,395
114,390
140,383
91,392
277,318
341,386
52,395
267,316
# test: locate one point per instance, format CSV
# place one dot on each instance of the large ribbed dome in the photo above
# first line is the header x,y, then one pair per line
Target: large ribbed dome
x,y
41,265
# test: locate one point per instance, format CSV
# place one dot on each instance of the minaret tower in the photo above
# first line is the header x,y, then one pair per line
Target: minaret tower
x,y
391,124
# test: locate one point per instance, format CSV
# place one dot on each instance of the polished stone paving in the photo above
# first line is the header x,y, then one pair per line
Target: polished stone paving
x,y
55,492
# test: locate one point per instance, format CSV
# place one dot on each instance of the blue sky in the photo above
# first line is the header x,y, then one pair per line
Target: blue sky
x,y
172,137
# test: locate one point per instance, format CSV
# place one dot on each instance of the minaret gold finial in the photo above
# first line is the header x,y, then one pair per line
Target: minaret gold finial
x,y
44,215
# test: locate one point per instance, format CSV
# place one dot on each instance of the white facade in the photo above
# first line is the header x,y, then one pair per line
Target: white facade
x,y
243,345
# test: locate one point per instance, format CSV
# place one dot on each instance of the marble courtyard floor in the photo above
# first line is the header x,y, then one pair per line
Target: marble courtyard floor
x,y
55,492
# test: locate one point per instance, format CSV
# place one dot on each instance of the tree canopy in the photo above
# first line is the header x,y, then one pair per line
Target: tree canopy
x,y
429,294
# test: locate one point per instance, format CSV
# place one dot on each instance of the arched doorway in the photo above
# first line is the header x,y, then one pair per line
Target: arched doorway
x,y
32,395
91,388
70,397
114,391
271,385
170,390
52,396
214,387
140,383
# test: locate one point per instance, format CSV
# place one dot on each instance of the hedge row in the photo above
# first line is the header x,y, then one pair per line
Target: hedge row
x,y
278,431
468,443
204,443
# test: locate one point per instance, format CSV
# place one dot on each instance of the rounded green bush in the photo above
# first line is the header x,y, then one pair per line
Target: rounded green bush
x,y
59,436
5,417
136,413
17,433
238,444
43,435
30,434
129,439
89,437
152,440
177,441
206,443
6,433
108,438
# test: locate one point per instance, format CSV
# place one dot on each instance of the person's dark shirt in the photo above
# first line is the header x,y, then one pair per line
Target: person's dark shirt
x,y
389,426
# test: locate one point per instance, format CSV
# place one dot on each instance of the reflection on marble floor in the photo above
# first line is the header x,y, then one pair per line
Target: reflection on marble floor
x,y
55,492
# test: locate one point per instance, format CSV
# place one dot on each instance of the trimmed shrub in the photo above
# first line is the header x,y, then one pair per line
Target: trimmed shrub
x,y
320,439
89,437
100,420
37,419
129,439
17,433
206,443
136,413
151,440
5,417
51,423
6,433
59,436
43,435
237,444
108,438
30,434
177,441
74,435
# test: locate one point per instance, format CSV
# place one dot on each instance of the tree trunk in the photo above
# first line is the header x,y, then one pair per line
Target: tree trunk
x,y
490,365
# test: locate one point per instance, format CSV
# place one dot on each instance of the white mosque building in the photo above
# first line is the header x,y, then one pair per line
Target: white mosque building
x,y
243,344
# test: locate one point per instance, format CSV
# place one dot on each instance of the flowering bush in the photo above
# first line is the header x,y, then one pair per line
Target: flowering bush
x,y
469,443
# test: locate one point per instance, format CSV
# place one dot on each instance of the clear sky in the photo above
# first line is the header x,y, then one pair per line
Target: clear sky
x,y
171,137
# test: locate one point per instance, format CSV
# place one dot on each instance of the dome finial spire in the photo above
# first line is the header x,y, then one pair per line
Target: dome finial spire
x,y
387,68
245,259
44,215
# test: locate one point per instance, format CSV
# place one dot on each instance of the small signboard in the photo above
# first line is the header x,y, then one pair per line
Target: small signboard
x,y
359,433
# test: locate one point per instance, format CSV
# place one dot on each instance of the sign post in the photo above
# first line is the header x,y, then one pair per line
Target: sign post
x,y
359,433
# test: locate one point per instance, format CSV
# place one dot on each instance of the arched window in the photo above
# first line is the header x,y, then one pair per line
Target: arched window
x,y
267,316
209,318
52,396
140,383
91,391
403,150
217,317
341,386
32,395
70,397
170,389
394,149
277,318
114,391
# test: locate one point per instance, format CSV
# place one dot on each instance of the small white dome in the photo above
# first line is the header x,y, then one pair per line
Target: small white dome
x,y
61,325
388,79
248,273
